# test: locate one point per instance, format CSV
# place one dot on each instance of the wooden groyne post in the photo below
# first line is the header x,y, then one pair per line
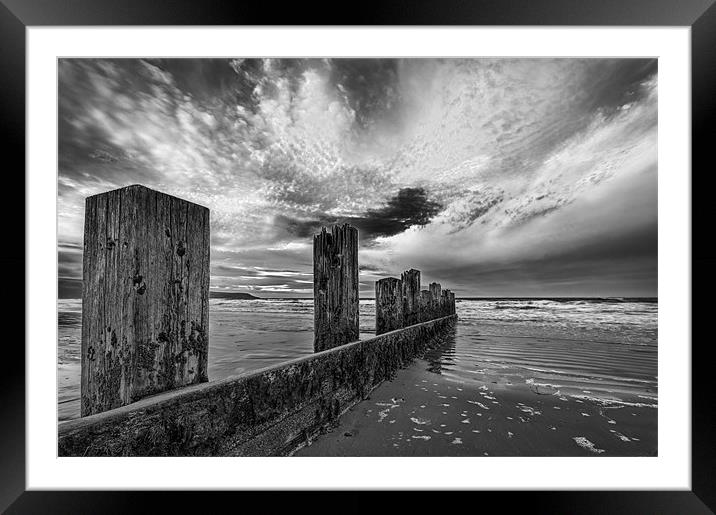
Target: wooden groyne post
x,y
435,300
450,296
388,305
401,303
424,308
335,287
411,296
145,296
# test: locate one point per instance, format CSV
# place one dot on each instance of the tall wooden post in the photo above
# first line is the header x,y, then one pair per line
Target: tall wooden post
x,y
411,296
435,291
424,306
450,296
145,296
388,305
335,287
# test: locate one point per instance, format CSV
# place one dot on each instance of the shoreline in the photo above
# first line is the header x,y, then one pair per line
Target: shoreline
x,y
423,413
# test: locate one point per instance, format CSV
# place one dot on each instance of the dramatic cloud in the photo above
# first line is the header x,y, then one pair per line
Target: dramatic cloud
x,y
492,176
410,207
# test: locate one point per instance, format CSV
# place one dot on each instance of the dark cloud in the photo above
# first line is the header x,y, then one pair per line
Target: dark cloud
x,y
408,208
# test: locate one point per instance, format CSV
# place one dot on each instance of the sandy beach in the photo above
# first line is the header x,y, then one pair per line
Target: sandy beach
x,y
514,378
424,413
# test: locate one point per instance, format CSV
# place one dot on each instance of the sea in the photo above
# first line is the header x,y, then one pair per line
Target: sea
x,y
579,347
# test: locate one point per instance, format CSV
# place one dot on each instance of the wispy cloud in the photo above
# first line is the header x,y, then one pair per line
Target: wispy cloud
x,y
491,175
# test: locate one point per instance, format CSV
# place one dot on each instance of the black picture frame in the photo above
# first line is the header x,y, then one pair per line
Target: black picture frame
x,y
699,15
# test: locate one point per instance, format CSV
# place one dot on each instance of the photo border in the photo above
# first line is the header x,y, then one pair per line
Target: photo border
x,y
700,15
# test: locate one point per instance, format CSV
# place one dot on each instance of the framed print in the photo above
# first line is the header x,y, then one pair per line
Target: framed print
x,y
433,250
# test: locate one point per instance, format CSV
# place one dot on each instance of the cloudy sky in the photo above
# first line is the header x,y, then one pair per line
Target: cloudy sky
x,y
494,177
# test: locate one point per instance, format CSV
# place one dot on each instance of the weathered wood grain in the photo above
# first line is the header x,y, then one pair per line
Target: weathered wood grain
x,y
145,294
411,296
335,287
388,305
424,308
450,302
435,291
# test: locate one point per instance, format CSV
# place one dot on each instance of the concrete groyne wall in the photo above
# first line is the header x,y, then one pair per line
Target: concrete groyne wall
x,y
265,413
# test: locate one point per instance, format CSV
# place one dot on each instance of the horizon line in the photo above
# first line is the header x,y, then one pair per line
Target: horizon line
x,y
467,297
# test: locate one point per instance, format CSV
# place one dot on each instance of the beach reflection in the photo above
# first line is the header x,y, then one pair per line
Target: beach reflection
x,y
443,355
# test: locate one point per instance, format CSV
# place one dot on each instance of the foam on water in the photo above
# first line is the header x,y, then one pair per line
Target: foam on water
x,y
612,362
586,444
631,321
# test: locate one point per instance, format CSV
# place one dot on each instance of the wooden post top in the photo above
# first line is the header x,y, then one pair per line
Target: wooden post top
x,y
143,189
336,228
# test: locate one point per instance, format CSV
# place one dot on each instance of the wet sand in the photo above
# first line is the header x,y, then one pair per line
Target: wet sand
x,y
425,413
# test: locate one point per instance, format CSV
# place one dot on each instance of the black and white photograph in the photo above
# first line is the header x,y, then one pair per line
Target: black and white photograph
x,y
342,257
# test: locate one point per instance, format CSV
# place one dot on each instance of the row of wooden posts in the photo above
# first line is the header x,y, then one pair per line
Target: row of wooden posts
x,y
398,302
145,295
401,302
